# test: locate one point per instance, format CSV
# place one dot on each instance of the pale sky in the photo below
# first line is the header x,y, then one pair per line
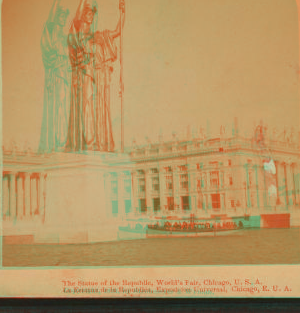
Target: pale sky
x,y
186,62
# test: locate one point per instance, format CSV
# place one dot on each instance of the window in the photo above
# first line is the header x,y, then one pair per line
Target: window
x,y
204,180
169,186
199,166
127,185
127,206
154,170
184,181
156,204
232,203
114,207
141,172
183,168
229,162
199,184
142,186
170,203
168,169
230,181
143,206
169,182
155,183
185,202
114,187
214,179
215,201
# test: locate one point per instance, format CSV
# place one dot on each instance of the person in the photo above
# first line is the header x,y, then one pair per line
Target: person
x,y
57,81
91,54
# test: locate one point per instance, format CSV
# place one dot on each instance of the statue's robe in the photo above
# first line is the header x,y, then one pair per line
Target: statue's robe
x,y
90,119
56,89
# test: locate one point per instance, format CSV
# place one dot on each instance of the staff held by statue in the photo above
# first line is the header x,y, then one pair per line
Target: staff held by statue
x,y
122,12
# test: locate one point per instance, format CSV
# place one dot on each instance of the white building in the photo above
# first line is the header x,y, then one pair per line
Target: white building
x,y
216,176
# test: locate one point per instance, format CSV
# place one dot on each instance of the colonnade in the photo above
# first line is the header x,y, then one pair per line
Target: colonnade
x,y
23,195
285,181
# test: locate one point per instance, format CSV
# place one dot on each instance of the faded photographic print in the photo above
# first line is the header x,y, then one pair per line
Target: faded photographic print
x,y
155,139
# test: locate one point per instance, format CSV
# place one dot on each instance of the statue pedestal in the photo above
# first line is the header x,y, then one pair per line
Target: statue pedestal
x,y
85,197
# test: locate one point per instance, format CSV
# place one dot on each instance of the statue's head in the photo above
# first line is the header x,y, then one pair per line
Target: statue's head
x,y
61,15
88,13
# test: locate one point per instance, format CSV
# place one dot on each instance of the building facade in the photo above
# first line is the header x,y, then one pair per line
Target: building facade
x,y
206,177
216,176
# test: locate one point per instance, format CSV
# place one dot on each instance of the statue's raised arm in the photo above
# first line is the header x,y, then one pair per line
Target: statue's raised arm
x,y
52,11
117,31
79,13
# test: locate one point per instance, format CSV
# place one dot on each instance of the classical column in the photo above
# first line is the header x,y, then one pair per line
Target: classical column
x,y
20,196
12,195
291,184
121,195
32,194
42,193
132,197
247,186
296,182
27,193
192,179
5,195
161,189
193,203
265,187
286,184
277,183
294,171
148,185
108,193
222,200
280,183
221,178
257,186
209,202
206,203
176,188
38,196
192,188
134,192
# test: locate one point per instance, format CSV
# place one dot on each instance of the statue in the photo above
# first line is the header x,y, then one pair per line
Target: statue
x,y
260,135
201,133
91,54
275,134
57,81
222,131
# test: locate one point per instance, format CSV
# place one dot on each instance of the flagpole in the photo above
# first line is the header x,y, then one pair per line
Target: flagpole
x,y
121,81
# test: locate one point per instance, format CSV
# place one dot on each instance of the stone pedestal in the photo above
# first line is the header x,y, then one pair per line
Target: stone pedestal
x,y
78,202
